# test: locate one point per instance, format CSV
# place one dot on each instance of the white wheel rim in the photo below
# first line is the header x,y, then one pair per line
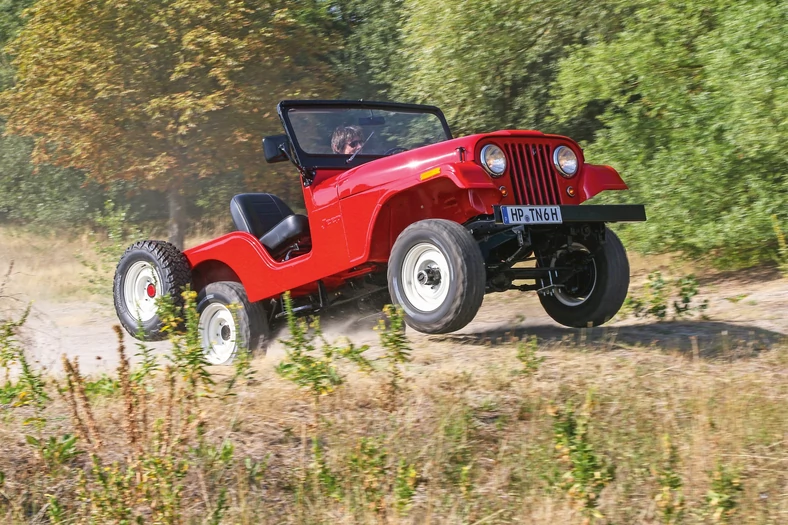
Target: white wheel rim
x,y
559,293
141,287
218,333
425,277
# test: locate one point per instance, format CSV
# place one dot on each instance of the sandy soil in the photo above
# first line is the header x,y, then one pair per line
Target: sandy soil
x,y
748,313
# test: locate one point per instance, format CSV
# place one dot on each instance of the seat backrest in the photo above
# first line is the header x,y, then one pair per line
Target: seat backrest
x,y
256,213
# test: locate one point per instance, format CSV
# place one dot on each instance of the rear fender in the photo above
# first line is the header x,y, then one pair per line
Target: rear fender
x,y
237,256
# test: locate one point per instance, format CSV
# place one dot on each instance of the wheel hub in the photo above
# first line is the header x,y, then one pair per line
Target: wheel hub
x,y
429,276
580,284
425,277
140,289
218,333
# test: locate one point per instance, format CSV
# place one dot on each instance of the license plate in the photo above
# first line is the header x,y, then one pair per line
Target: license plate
x,y
531,214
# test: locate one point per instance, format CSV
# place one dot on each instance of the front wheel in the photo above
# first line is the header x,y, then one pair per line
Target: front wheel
x,y
229,323
436,274
595,292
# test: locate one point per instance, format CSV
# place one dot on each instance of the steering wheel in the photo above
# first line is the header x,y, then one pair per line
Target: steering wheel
x,y
395,149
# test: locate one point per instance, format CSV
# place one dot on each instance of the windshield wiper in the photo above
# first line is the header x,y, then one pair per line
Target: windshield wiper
x,y
353,156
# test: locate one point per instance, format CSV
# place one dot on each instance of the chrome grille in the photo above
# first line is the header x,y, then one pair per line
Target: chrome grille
x,y
533,176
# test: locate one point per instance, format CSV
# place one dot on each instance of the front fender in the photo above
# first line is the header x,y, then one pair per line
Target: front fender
x,y
597,178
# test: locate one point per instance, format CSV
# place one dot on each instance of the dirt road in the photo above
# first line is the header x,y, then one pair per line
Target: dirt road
x,y
748,313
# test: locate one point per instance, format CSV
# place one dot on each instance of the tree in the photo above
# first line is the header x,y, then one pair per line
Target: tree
x,y
490,63
11,22
158,91
695,115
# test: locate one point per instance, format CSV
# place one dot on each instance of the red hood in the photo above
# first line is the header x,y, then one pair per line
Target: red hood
x,y
413,162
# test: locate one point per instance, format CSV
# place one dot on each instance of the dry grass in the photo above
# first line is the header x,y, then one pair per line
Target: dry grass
x,y
48,268
478,436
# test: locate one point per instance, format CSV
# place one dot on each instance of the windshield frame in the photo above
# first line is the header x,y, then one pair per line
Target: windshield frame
x,y
308,161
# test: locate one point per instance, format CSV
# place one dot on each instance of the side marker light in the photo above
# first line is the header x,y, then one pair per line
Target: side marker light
x,y
431,173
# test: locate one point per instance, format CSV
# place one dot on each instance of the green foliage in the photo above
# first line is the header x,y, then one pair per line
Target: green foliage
x,y
701,144
723,496
366,478
405,484
117,235
669,499
30,389
306,365
396,348
526,354
182,329
368,472
587,473
103,386
490,63
56,451
652,300
687,290
9,392
11,21
782,246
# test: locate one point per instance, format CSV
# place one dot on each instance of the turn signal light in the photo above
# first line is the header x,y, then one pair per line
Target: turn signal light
x,y
570,190
504,191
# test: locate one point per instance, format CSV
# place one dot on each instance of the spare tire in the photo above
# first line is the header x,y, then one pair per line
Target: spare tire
x,y
148,270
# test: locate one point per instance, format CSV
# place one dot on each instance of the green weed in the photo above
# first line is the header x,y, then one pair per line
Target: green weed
x,y
669,499
56,451
652,301
526,354
722,498
311,362
397,351
587,472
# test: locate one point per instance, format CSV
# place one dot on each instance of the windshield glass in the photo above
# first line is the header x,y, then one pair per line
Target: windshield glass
x,y
349,131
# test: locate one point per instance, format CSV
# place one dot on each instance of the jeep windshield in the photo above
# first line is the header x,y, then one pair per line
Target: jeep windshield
x,y
346,134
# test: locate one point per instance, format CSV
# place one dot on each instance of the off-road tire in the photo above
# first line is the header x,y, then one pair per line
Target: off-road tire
x,y
251,327
609,293
173,269
465,271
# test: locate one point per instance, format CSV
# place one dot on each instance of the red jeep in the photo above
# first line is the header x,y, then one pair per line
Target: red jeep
x,y
397,211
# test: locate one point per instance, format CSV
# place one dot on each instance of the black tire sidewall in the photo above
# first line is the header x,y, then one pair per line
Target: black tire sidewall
x,y
143,252
251,326
440,320
218,293
612,278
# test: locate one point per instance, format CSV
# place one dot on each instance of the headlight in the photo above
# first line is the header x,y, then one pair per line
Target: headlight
x,y
493,160
566,161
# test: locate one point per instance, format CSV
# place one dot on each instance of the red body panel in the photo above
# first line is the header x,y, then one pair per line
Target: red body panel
x,y
356,215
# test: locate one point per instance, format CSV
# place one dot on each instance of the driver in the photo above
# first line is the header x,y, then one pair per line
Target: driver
x,y
347,140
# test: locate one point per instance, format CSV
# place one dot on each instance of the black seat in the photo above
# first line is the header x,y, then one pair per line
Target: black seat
x,y
269,219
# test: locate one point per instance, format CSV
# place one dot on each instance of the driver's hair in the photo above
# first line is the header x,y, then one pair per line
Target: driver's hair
x,y
343,135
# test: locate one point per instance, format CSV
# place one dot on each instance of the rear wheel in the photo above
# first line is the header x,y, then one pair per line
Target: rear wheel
x,y
436,274
146,271
597,289
229,323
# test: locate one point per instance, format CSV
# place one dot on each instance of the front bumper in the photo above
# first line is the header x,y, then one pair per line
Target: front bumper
x,y
593,213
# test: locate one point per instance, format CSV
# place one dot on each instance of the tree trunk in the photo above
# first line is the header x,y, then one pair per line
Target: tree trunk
x,y
177,224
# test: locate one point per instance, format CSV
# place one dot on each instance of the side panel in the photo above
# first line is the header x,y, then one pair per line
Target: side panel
x,y
596,179
264,277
